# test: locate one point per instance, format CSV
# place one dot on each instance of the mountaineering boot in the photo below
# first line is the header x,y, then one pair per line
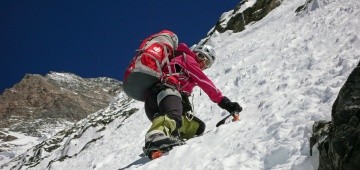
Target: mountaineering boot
x,y
158,139
191,127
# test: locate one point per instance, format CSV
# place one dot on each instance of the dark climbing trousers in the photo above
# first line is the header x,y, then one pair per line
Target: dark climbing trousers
x,y
162,100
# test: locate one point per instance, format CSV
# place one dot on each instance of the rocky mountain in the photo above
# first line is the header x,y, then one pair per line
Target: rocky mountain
x,y
39,106
38,102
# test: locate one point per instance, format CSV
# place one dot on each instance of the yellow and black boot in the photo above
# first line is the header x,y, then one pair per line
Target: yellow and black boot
x,y
191,127
160,132
158,139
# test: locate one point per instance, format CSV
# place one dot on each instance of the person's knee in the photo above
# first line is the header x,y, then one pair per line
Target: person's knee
x,y
165,93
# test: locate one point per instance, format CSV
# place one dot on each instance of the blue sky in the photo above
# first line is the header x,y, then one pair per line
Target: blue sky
x,y
92,38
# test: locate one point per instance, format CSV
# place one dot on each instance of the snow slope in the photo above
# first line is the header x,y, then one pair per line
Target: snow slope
x,y
285,70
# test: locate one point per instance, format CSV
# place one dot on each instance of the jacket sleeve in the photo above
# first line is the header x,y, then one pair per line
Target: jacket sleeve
x,y
194,71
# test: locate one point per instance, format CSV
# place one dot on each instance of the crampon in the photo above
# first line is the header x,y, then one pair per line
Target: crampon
x,y
156,152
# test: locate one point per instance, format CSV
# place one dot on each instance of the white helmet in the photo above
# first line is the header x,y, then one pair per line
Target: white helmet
x,y
208,52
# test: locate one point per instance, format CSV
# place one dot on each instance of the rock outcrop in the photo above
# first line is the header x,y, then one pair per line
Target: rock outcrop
x,y
339,140
244,13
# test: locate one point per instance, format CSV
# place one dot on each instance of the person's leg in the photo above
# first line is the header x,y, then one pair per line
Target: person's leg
x,y
164,110
171,106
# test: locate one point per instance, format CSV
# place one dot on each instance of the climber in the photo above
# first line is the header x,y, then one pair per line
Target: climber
x,y
167,105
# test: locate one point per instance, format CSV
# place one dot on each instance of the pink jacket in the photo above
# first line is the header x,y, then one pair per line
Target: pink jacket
x,y
190,74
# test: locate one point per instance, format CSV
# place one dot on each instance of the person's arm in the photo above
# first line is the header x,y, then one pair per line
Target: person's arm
x,y
194,71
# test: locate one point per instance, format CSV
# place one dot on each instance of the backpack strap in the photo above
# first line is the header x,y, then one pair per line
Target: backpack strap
x,y
184,55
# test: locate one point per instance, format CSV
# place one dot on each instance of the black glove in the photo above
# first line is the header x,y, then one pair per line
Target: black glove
x,y
231,107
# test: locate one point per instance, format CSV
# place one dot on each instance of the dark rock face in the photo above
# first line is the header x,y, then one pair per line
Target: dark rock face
x,y
310,5
339,141
6,137
239,20
57,97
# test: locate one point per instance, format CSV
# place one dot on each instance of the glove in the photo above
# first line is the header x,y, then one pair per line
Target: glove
x,y
231,107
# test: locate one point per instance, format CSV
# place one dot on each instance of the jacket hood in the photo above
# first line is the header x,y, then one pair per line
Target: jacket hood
x,y
185,49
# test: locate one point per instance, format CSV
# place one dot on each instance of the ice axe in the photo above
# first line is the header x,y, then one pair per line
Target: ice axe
x,y
236,117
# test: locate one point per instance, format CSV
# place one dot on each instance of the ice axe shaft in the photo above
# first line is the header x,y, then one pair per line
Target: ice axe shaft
x,y
222,121
236,117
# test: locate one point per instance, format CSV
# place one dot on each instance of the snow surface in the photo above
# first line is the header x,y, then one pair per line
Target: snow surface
x,y
285,70
23,142
63,77
16,147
